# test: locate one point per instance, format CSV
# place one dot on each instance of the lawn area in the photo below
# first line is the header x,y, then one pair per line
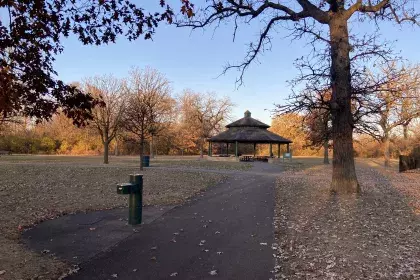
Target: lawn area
x,y
374,236
36,188
300,163
202,164
189,162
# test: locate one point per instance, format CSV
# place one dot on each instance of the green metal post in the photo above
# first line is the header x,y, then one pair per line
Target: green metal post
x,y
288,148
227,149
278,150
236,148
135,201
271,149
255,149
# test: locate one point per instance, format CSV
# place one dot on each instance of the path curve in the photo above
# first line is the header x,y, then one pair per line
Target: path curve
x,y
224,233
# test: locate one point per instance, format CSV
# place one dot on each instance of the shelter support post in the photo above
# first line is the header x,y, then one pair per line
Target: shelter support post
x,y
288,148
278,150
227,149
255,149
209,151
236,148
271,150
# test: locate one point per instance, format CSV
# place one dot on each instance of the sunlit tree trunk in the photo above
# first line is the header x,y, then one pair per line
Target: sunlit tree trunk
x,y
405,130
344,178
387,153
105,142
141,152
202,148
326,160
152,154
116,152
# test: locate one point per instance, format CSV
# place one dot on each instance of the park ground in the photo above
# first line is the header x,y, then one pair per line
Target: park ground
x,y
318,236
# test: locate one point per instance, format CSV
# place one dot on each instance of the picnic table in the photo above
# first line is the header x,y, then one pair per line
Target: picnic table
x,y
246,158
262,158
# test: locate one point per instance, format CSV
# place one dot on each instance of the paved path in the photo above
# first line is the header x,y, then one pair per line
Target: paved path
x,y
80,237
226,231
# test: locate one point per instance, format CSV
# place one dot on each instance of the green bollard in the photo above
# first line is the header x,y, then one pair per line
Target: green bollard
x,y
135,201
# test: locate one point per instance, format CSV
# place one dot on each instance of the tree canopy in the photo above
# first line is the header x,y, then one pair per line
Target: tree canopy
x,y
324,21
31,36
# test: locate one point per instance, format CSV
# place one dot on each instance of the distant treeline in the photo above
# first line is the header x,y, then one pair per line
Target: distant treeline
x,y
60,136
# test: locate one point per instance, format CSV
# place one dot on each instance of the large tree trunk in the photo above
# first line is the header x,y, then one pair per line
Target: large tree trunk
x,y
344,178
326,161
387,153
141,152
106,150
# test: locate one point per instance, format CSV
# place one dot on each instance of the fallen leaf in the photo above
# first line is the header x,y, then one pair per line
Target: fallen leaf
x,y
213,272
174,274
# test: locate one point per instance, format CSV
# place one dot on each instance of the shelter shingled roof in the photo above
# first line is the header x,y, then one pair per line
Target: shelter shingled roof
x,y
248,130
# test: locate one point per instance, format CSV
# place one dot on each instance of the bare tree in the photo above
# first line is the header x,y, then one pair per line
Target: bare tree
x,y
318,122
395,105
310,17
107,119
205,114
150,105
410,104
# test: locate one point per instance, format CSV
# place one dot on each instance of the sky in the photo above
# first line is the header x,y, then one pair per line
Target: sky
x,y
195,60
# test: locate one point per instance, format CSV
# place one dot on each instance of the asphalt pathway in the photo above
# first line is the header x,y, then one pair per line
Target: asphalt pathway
x,y
224,233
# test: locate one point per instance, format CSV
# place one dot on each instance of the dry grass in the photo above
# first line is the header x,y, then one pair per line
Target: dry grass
x,y
374,236
33,189
300,163
202,164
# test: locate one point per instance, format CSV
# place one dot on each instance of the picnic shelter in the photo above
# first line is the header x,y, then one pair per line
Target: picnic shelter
x,y
249,131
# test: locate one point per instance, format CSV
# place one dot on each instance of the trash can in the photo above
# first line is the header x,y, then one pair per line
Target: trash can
x,y
146,161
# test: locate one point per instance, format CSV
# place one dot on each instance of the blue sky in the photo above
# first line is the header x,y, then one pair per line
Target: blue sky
x,y
195,60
